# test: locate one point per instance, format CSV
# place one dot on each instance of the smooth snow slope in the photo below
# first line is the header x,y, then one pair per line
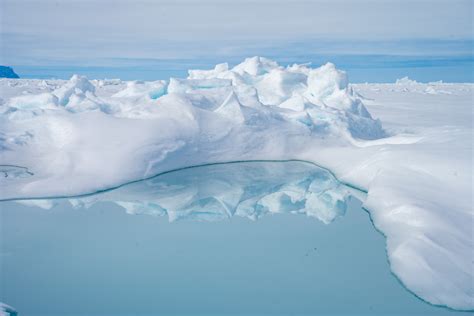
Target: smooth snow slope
x,y
64,138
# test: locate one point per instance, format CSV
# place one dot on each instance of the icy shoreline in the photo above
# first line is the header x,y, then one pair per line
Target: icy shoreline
x,y
80,136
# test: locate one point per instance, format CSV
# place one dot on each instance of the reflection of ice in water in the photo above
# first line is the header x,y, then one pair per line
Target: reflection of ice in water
x,y
6,310
220,191
147,267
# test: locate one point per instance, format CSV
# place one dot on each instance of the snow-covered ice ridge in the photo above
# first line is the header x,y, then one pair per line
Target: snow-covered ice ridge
x,y
79,136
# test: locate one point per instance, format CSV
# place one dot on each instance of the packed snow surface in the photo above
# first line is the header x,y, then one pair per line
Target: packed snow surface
x,y
409,145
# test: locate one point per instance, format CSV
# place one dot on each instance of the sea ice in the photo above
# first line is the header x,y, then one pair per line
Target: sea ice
x,y
79,136
405,81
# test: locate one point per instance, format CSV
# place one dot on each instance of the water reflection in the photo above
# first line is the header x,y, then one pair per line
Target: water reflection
x,y
104,262
221,191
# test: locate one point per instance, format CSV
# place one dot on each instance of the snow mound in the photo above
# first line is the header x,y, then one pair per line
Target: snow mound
x,y
315,97
139,89
320,99
77,87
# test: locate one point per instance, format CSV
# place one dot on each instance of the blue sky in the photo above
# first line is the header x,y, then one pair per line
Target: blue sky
x,y
431,39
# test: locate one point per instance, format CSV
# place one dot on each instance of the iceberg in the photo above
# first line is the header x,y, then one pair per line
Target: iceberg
x,y
409,149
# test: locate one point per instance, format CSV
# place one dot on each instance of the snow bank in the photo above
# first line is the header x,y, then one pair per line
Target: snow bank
x,y
80,136
81,128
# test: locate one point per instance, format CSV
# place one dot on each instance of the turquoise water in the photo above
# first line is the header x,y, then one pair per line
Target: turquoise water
x,y
245,239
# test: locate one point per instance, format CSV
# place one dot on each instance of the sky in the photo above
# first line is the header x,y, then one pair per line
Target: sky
x,y
105,37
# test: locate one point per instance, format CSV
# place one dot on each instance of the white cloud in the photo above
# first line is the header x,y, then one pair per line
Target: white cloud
x,y
129,28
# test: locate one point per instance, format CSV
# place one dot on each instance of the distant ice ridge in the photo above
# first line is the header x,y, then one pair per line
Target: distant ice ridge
x,y
79,136
217,192
406,81
318,98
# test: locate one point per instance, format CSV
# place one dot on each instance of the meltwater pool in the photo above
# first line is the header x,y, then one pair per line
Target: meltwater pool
x,y
247,238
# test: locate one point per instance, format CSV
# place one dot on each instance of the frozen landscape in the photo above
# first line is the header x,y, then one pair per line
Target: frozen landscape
x,y
405,147
223,157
